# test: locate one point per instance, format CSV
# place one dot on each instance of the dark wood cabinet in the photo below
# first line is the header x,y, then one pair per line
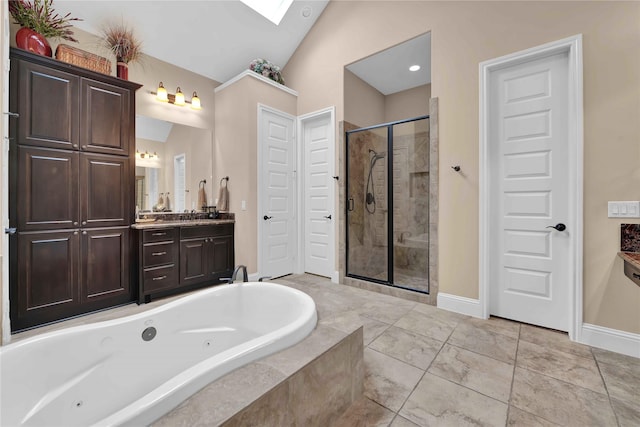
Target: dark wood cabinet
x,y
105,118
105,190
47,189
71,176
176,259
206,253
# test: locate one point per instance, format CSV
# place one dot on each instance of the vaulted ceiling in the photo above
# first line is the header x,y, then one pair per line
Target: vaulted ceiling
x,y
217,39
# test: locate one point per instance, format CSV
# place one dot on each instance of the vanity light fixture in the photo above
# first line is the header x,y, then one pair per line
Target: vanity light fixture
x,y
414,68
146,155
177,99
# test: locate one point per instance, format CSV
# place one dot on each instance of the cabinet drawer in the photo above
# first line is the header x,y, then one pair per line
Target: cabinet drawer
x,y
160,278
206,231
157,254
159,235
632,272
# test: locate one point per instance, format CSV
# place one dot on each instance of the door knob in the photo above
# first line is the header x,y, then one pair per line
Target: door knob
x,y
266,217
559,226
328,216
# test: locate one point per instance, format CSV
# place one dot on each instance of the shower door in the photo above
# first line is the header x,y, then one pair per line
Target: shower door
x,y
367,204
387,204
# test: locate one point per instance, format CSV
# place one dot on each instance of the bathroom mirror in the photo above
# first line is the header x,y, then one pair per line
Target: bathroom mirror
x,y
172,160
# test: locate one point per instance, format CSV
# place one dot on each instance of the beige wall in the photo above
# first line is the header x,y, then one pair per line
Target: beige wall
x,y
460,41
363,104
235,154
407,104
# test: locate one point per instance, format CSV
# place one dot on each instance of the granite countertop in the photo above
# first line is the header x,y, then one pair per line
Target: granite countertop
x,y
179,223
632,257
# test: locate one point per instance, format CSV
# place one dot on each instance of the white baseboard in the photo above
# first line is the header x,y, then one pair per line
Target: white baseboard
x,y
611,339
457,304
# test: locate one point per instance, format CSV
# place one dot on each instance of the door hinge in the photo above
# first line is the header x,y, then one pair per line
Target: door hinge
x,y
10,230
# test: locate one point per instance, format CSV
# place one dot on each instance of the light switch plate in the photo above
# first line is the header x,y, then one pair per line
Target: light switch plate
x,y
625,209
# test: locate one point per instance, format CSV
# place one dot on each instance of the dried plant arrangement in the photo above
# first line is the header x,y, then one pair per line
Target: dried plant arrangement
x,y
121,41
39,16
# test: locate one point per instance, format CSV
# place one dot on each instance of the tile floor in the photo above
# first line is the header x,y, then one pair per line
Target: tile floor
x,y
429,367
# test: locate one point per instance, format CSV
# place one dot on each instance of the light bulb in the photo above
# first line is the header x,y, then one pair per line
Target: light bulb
x,y
161,94
179,98
195,102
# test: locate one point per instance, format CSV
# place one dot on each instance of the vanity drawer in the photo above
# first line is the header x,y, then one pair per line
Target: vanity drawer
x,y
160,278
632,272
206,231
158,254
159,234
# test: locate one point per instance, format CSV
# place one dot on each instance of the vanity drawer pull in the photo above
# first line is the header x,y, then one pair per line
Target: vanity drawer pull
x,y
159,278
158,253
159,234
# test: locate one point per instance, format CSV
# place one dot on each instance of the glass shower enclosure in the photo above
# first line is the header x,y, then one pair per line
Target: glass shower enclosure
x,y
387,204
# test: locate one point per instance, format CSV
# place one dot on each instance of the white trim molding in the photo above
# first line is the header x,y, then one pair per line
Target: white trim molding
x,y
255,75
611,339
573,47
462,305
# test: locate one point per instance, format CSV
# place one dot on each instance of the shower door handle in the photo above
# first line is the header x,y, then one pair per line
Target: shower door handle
x,y
351,204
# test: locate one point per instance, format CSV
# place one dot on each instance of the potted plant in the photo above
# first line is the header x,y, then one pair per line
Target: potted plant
x,y
124,45
39,21
267,69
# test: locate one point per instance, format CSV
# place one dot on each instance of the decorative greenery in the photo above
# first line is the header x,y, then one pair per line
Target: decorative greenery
x,y
121,41
267,69
39,16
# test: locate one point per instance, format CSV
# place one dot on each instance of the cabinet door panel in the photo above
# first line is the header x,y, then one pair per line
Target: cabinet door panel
x,y
222,255
47,277
105,264
48,107
105,118
193,261
104,190
47,190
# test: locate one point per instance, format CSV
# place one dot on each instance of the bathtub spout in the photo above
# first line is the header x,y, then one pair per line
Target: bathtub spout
x,y
242,269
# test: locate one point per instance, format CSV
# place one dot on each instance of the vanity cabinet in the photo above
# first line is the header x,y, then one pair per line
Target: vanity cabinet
x,y
71,177
206,253
177,259
158,257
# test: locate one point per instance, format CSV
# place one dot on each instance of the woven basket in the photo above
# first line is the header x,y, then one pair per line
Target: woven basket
x,y
82,58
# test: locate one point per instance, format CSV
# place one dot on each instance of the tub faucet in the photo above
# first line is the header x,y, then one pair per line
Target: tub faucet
x,y
239,269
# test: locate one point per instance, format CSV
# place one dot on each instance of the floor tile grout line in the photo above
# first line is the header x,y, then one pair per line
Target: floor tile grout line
x,y
604,382
513,374
481,354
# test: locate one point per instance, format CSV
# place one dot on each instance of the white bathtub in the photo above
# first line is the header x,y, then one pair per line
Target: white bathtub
x,y
105,374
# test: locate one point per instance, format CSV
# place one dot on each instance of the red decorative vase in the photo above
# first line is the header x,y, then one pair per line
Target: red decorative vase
x,y
122,70
32,41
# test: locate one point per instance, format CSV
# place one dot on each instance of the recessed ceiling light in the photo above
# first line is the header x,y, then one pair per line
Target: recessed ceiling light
x,y
273,10
414,68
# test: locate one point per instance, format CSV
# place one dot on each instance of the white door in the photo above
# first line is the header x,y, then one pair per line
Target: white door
x,y
277,193
529,264
179,182
319,215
